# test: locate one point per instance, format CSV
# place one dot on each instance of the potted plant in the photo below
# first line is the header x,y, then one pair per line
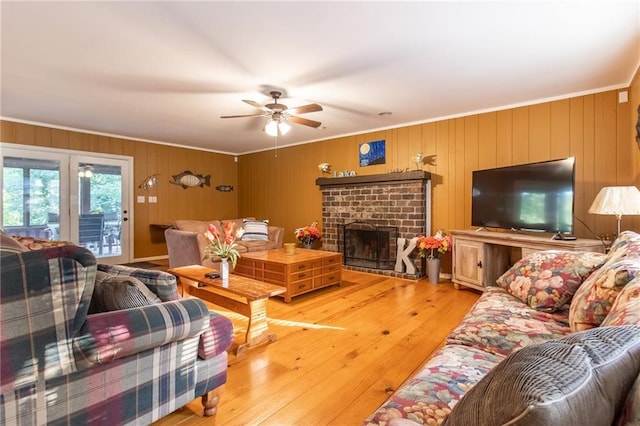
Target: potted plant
x,y
307,235
432,248
223,246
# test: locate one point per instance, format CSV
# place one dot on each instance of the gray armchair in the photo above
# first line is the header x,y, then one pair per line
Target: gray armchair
x,y
183,248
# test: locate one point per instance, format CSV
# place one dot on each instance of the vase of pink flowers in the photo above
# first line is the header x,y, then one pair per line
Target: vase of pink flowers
x,y
223,246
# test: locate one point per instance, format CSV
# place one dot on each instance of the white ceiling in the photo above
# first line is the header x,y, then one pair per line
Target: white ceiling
x,y
166,71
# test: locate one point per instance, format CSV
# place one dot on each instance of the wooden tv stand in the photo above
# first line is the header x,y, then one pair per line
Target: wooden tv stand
x,y
481,257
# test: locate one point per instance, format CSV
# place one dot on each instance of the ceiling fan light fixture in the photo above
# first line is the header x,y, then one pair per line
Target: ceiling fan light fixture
x,y
276,127
278,114
271,128
284,127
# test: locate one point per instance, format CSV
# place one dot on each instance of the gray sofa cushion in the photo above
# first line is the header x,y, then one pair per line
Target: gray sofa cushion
x,y
630,414
116,292
581,379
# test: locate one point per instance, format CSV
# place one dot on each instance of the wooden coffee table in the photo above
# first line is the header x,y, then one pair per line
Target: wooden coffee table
x,y
306,270
243,295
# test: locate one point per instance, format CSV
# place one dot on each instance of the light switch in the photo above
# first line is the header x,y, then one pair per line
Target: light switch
x,y
623,97
153,199
140,199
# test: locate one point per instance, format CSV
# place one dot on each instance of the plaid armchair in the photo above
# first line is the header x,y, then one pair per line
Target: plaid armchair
x,y
61,365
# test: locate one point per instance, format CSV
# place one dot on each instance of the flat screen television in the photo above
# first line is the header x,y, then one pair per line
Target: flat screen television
x,y
531,197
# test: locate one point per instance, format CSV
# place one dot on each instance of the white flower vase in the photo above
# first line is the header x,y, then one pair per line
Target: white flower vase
x,y
224,271
433,269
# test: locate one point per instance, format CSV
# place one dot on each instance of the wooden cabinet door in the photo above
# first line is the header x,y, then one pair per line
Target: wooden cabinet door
x,y
526,252
468,261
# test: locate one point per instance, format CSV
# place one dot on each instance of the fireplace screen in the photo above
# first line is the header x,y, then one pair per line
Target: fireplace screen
x,y
369,246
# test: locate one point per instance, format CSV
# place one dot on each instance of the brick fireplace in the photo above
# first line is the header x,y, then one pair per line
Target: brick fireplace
x,y
395,200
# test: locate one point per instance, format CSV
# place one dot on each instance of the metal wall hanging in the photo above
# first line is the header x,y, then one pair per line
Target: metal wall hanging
x,y
149,182
188,179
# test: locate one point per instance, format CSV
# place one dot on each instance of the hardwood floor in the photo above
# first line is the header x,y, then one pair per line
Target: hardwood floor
x,y
340,353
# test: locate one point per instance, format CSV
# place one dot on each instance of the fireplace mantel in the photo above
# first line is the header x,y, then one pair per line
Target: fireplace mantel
x,y
380,178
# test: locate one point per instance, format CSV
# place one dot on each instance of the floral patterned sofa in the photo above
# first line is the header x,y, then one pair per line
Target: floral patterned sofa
x,y
556,341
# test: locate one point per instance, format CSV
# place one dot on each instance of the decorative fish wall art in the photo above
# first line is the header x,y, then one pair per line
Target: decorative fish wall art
x,y
224,188
188,179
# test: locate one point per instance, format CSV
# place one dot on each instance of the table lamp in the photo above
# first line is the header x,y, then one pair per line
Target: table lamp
x,y
617,201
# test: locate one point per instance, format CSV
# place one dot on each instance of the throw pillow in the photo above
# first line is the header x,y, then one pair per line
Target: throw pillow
x,y
626,245
197,226
581,379
116,292
547,280
593,300
255,230
162,284
626,308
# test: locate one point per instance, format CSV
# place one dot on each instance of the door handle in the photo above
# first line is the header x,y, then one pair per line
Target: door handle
x,y
479,264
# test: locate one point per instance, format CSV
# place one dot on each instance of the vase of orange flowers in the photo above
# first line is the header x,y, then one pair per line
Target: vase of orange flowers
x,y
308,235
223,246
432,248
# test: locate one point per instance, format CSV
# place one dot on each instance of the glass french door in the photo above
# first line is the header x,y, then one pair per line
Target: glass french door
x,y
58,195
99,206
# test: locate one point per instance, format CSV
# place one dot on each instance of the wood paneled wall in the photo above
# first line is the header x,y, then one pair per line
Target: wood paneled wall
x,y
595,129
174,202
280,185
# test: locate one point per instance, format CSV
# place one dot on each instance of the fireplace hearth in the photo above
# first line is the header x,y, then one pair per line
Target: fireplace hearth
x,y
366,245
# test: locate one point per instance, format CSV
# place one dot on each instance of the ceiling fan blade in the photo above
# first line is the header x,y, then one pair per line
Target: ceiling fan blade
x,y
304,121
245,115
257,105
305,109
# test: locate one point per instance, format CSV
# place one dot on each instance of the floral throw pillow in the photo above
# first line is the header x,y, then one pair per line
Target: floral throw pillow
x,y
547,280
626,308
626,245
594,299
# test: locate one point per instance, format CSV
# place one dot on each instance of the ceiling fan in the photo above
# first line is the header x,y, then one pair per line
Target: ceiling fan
x,y
279,114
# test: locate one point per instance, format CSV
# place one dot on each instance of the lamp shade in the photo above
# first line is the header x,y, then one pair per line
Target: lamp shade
x,y
617,200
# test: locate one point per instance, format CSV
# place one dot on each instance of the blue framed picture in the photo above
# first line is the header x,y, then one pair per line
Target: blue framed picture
x,y
372,153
